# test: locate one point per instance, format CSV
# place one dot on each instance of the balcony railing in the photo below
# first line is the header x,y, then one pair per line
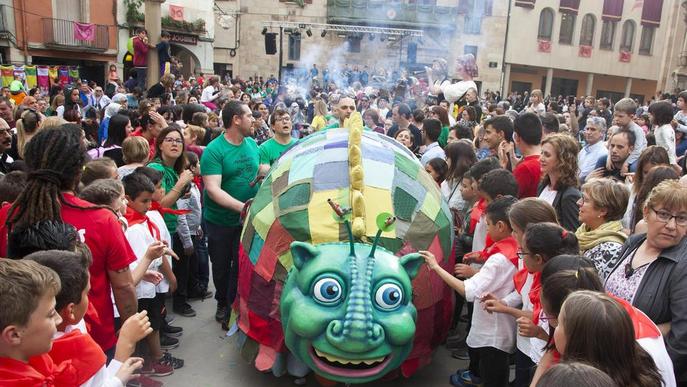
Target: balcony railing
x,y
58,33
384,13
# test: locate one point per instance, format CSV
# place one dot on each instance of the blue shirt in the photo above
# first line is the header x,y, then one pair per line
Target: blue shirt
x,y
433,151
589,156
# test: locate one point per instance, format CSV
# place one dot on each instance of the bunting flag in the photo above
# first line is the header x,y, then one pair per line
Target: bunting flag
x,y
42,75
73,74
585,51
19,73
544,45
31,77
625,56
84,31
638,4
7,74
63,75
176,12
53,73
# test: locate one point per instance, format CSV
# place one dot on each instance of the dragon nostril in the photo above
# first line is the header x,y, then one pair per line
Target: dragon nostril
x,y
335,328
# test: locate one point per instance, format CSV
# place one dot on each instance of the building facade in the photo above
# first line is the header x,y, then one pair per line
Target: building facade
x,y
42,32
603,48
450,28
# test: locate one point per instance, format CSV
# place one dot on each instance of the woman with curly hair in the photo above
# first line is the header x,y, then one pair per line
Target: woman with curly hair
x,y
559,178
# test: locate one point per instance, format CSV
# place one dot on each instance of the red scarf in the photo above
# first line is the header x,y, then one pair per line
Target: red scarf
x,y
156,206
40,371
134,217
506,246
475,214
82,351
644,327
519,280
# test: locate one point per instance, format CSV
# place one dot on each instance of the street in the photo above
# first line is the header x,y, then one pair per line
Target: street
x,y
211,359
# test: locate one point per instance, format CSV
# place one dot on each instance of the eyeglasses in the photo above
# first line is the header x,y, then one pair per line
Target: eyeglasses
x,y
171,140
522,254
665,217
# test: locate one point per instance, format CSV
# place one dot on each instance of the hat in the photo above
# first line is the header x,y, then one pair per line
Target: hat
x,y
16,86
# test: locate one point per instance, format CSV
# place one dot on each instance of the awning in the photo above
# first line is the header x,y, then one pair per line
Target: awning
x,y
525,3
570,6
613,10
651,13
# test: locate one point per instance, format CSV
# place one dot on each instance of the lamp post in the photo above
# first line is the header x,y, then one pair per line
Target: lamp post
x,y
153,16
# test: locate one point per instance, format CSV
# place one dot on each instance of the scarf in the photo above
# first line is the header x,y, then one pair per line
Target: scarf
x,y
476,213
644,327
607,232
82,351
507,246
134,217
519,280
156,206
40,371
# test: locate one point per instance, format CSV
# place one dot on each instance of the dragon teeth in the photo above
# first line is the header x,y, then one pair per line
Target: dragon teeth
x,y
333,359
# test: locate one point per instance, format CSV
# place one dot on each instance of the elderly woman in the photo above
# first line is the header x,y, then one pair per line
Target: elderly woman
x,y
601,237
652,270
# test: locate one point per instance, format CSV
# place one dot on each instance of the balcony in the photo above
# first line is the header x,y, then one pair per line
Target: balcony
x,y
393,14
59,34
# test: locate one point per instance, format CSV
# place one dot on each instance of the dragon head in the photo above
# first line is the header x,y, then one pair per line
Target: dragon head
x,y
348,315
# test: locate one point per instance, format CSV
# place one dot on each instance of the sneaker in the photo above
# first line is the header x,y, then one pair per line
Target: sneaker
x,y
460,354
156,369
144,381
185,310
464,378
172,361
169,318
221,313
171,331
167,342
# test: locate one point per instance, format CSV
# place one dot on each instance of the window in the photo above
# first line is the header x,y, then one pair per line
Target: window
x,y
295,47
587,33
354,44
647,40
628,36
470,50
567,28
545,24
608,35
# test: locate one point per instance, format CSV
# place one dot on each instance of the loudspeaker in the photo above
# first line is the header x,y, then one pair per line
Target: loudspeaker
x,y
412,52
271,43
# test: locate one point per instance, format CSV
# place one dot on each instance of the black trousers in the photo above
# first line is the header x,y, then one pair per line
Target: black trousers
x,y
491,365
524,370
223,247
182,270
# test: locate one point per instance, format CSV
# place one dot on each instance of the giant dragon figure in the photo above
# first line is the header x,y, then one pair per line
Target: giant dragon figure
x,y
330,280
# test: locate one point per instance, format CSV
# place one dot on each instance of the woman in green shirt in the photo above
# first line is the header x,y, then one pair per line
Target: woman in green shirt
x,y
439,113
171,161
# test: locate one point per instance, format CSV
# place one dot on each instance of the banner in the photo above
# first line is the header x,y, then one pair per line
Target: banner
x,y
544,46
31,78
585,51
625,56
176,12
42,74
84,31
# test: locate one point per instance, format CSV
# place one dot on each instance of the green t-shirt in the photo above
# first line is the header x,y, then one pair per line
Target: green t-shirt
x,y
238,166
443,136
169,180
271,150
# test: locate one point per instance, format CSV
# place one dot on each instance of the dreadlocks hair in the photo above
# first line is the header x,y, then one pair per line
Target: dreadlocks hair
x,y
55,159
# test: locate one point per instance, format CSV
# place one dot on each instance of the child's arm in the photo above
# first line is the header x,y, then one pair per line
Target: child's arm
x,y
183,229
493,305
450,280
134,329
155,250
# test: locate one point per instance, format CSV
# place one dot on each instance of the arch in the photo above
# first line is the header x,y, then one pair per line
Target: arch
x,y
546,24
588,29
189,61
628,36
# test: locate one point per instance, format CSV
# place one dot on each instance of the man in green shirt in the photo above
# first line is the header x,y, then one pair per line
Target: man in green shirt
x,y
230,165
272,149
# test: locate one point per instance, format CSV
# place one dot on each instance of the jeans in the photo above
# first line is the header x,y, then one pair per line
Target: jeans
x,y
524,370
141,74
202,261
181,269
223,246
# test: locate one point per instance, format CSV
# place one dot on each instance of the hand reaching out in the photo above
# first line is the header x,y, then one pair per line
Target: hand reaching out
x,y
129,366
430,259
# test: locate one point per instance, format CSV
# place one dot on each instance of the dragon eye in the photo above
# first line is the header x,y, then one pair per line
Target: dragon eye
x,y
327,290
389,296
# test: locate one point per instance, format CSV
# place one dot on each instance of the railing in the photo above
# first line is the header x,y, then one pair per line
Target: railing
x,y
59,33
391,14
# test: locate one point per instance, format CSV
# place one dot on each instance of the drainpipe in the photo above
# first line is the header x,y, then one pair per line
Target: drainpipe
x,y
24,31
505,48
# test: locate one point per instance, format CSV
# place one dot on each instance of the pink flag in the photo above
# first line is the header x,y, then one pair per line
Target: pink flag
x,y
176,12
638,4
84,31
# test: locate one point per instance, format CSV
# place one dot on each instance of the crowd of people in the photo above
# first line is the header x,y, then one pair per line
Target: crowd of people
x,y
570,218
